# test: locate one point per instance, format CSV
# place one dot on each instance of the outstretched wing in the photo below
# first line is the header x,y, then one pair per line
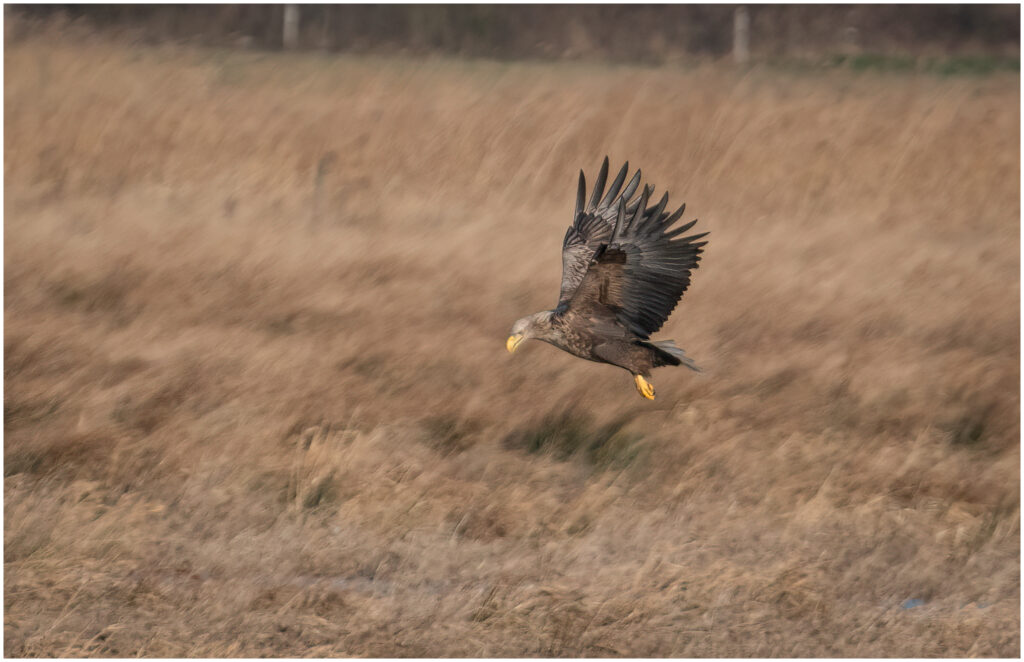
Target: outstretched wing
x,y
592,225
639,274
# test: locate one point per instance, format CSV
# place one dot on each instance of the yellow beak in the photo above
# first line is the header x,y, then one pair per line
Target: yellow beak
x,y
513,342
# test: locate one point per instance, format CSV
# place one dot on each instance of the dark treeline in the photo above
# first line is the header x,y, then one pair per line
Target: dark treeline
x,y
618,32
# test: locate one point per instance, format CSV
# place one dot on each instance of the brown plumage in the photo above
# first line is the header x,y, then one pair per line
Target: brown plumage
x,y
624,269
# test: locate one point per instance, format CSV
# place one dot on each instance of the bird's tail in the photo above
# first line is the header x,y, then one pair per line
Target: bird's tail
x,y
667,351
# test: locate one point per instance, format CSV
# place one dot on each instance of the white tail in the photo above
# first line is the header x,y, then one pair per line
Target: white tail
x,y
669,347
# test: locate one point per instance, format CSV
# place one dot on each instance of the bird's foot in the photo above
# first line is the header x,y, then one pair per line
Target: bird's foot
x,y
645,388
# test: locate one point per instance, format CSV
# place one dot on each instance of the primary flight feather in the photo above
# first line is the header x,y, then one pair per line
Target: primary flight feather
x,y
624,269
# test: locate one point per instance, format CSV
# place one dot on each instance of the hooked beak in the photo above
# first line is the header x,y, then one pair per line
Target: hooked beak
x,y
513,342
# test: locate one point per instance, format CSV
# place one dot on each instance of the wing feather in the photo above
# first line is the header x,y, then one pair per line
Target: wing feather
x,y
613,190
592,225
581,194
640,274
599,185
632,186
621,261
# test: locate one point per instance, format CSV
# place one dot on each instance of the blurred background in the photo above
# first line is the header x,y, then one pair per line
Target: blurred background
x,y
260,263
652,34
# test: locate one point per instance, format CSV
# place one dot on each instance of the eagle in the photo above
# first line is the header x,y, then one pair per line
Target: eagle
x,y
624,269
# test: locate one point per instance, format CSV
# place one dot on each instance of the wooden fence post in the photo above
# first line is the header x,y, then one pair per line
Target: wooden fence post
x,y
290,37
741,35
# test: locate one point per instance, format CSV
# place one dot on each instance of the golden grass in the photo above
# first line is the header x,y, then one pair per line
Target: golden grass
x,y
257,401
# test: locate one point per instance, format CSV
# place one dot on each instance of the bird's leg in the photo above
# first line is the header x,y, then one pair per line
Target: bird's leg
x,y
645,388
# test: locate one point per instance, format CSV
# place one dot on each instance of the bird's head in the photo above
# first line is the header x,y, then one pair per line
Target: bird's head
x,y
537,325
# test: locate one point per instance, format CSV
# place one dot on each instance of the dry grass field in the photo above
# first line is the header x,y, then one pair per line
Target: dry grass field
x,y
257,400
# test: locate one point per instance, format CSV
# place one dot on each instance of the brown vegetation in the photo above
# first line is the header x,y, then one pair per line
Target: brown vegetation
x,y
257,401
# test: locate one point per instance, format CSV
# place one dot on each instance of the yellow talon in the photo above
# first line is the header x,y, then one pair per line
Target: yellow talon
x,y
645,387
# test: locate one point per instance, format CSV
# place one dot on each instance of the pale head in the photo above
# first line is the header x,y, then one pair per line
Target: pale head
x,y
537,325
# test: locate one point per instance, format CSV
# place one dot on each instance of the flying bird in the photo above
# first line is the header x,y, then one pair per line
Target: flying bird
x,y
624,269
